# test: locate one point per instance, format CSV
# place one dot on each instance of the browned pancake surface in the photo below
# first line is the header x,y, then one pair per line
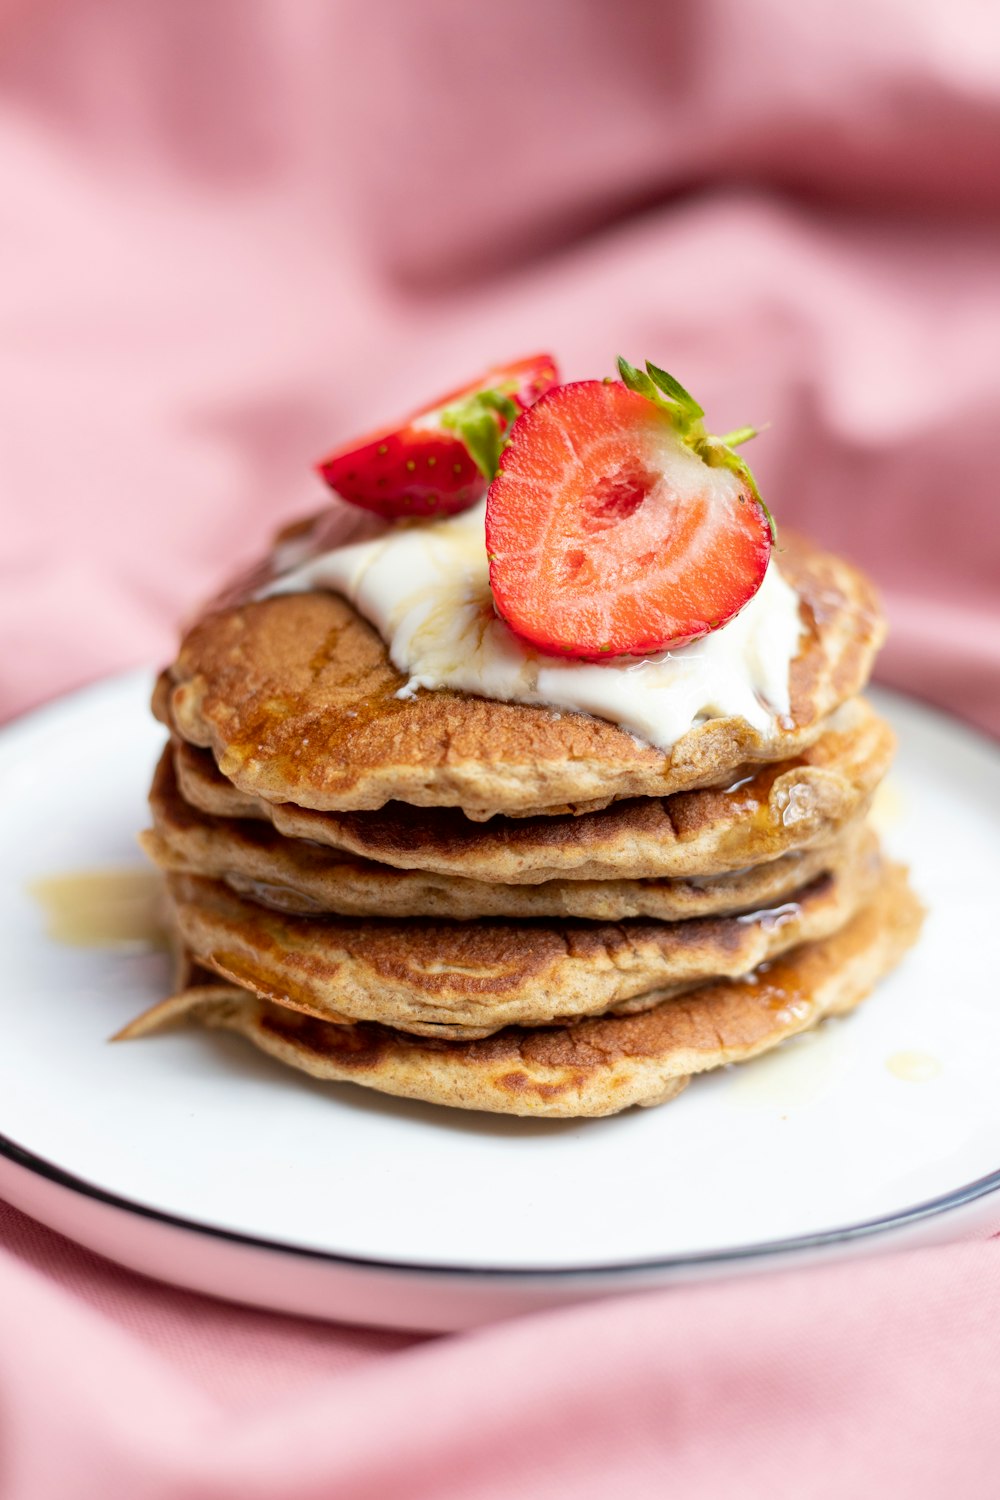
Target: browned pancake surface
x,y
296,697
595,1067
771,812
435,977
296,875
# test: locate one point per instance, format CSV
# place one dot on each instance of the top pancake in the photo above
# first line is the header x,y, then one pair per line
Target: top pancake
x,y
296,697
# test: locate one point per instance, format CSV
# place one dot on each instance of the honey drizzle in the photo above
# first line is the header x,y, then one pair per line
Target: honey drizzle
x,y
913,1067
114,907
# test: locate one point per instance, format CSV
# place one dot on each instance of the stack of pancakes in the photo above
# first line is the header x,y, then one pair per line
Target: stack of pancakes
x,y
503,907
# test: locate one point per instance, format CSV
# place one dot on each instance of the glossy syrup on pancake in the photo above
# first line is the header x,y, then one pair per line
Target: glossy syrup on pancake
x,y
700,834
297,698
300,875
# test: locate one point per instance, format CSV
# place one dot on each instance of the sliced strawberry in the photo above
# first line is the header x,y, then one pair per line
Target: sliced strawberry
x,y
523,380
441,459
617,526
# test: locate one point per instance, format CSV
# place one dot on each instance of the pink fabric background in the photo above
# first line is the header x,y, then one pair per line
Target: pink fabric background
x,y
233,233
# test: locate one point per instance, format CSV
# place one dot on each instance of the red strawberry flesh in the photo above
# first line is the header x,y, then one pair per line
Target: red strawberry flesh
x,y
608,535
416,471
422,467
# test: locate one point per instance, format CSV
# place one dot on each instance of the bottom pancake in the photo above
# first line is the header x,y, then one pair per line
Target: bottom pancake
x,y
593,1067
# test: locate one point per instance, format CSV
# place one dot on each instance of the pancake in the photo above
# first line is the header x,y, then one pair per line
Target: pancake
x,y
792,806
472,978
295,875
298,701
596,1067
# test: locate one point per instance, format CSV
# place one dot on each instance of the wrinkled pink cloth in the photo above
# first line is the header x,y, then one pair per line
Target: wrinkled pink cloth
x,y
232,234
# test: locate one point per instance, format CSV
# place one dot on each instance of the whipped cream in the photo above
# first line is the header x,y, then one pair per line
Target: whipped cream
x,y
426,590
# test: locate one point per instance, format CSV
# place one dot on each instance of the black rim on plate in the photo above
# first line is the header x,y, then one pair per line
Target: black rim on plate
x,y
932,1208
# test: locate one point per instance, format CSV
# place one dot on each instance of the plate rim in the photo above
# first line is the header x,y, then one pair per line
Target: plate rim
x,y
756,1251
725,1256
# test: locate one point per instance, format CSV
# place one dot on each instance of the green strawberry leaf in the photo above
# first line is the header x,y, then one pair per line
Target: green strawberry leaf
x,y
666,393
673,388
637,381
499,402
475,421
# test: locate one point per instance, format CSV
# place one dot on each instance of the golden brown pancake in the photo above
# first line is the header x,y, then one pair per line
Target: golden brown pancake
x,y
434,977
595,1067
297,699
767,814
296,875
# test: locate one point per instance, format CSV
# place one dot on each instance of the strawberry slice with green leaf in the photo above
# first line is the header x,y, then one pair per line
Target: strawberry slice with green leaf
x,y
617,525
441,459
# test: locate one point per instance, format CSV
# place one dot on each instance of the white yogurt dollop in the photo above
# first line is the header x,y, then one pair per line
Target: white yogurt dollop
x,y
426,590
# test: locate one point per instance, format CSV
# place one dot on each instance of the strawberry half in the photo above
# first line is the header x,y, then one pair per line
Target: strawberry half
x,y
441,459
617,525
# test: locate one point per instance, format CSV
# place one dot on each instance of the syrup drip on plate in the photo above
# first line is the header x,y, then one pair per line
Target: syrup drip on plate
x,y
913,1067
117,907
794,1074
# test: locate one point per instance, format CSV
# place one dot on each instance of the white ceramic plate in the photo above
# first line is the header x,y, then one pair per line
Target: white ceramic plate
x,y
194,1158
